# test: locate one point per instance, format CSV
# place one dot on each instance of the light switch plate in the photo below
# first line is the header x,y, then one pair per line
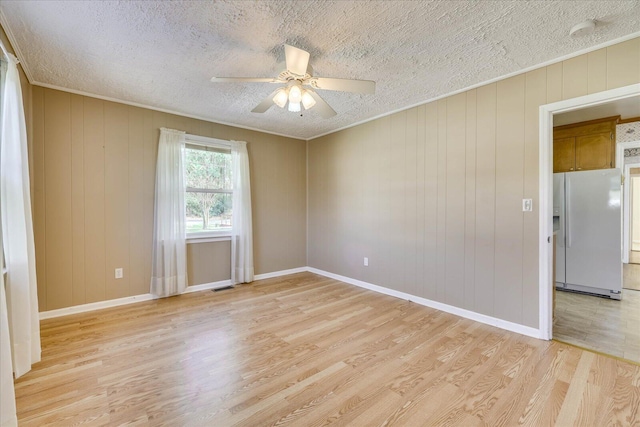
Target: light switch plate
x,y
118,273
366,262
527,205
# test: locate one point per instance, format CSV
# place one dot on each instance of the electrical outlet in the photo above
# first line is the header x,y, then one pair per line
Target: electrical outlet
x,y
527,205
118,273
366,262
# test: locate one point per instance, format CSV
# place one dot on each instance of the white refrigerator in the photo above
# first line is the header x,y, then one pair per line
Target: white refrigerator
x,y
587,217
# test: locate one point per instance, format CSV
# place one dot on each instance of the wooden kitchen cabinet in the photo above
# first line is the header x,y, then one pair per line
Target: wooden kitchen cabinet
x,y
564,154
585,146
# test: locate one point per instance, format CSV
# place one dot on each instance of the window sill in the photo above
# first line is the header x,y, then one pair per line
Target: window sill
x,y
192,239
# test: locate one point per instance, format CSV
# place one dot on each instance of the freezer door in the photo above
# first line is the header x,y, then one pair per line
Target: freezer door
x,y
592,231
558,224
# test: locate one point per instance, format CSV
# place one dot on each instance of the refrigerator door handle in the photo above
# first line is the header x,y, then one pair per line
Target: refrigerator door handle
x,y
567,212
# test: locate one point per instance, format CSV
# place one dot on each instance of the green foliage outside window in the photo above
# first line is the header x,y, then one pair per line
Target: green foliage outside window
x,y
208,170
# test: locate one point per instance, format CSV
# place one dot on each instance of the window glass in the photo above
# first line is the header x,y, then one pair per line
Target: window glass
x,y
209,189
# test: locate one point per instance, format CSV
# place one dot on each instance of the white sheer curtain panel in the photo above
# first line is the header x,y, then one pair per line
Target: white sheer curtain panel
x,y
17,227
7,394
169,269
19,320
242,234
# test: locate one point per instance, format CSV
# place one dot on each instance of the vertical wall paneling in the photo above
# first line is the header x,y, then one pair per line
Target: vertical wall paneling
x,y
94,209
410,201
260,195
509,188
298,198
431,202
623,64
150,137
201,269
485,199
353,250
470,201
441,253
369,187
57,172
281,198
575,78
455,201
38,202
136,200
77,200
420,161
387,226
116,131
535,95
554,83
597,71
398,220
315,206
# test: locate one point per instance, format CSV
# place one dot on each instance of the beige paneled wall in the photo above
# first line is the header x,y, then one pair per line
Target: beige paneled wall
x,y
432,195
200,269
94,176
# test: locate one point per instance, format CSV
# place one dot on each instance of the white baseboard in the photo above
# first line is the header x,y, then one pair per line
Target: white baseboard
x,y
467,314
280,273
83,308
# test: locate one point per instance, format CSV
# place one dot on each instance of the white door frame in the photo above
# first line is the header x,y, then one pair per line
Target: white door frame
x,y
546,190
626,206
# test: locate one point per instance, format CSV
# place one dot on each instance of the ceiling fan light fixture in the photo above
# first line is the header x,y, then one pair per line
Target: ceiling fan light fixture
x,y
294,107
307,100
295,95
281,97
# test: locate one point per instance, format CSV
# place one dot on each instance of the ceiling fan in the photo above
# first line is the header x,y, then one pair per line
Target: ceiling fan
x,y
300,84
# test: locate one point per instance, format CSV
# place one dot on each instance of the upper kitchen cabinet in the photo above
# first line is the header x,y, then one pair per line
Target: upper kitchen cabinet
x,y
585,146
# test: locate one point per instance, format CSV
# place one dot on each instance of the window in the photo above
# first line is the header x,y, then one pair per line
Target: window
x,y
209,192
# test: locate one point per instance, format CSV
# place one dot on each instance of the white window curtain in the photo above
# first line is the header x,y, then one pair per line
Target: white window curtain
x,y
21,306
242,234
169,269
7,393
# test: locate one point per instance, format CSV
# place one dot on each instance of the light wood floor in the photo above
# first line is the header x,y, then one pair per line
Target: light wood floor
x,y
600,324
310,351
631,272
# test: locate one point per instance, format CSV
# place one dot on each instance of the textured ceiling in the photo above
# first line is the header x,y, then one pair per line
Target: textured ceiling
x,y
162,54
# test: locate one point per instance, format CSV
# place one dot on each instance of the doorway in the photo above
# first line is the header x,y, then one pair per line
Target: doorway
x,y
634,214
631,269
594,323
547,112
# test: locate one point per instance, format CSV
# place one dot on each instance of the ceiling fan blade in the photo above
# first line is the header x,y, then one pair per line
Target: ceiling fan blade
x,y
297,59
344,85
321,106
244,80
265,104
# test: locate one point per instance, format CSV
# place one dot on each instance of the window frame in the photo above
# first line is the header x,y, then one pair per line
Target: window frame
x,y
207,236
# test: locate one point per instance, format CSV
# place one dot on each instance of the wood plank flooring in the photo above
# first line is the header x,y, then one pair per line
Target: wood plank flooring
x,y
631,275
310,351
601,324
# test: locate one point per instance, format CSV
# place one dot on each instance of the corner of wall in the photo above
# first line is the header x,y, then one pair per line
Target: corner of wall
x,y
306,255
